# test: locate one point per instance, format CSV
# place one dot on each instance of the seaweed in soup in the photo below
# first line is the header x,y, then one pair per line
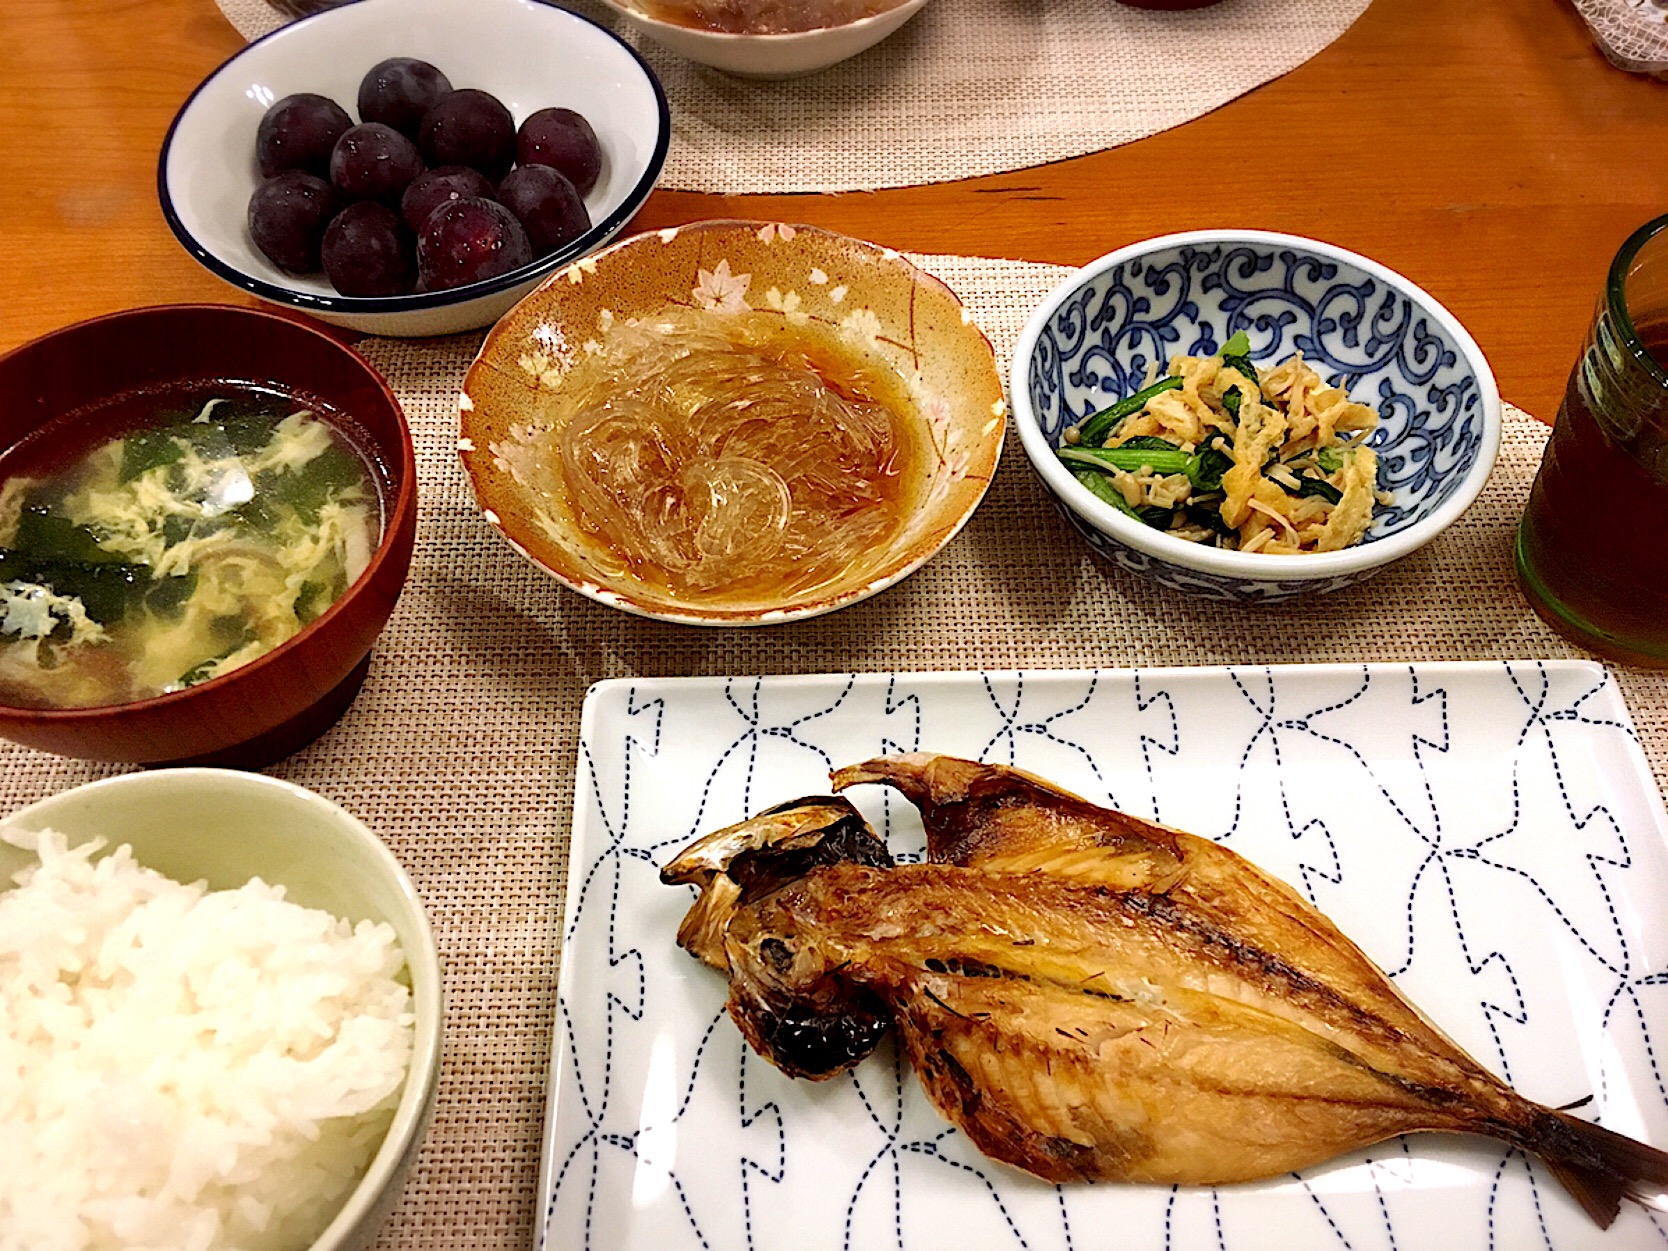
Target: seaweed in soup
x,y
177,548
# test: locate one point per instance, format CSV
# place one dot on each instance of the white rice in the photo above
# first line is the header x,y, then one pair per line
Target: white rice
x,y
185,1068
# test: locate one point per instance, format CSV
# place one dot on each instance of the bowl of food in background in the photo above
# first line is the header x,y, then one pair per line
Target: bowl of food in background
x,y
413,167
1252,416
228,1034
767,38
206,518
733,423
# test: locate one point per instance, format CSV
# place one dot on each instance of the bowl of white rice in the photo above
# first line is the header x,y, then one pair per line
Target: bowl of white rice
x,y
220,1018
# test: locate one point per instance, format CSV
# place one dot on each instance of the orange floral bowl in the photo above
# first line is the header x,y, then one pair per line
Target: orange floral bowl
x,y
788,54
835,291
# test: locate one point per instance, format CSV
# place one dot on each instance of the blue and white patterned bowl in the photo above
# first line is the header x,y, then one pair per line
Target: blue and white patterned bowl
x,y
1362,326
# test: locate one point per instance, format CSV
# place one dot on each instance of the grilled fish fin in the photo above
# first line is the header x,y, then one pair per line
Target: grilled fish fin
x,y
984,814
1600,1167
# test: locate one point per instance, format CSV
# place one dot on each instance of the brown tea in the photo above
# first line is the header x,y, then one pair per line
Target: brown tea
x,y
1592,551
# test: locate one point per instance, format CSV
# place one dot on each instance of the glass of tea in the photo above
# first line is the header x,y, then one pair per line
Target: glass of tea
x,y
1592,547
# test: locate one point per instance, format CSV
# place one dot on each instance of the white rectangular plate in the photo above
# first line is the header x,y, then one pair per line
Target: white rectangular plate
x,y
1490,834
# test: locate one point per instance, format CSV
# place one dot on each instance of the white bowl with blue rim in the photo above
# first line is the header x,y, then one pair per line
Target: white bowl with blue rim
x,y
1360,325
528,53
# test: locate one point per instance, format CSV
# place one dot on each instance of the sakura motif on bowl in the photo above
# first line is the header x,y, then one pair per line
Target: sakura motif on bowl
x,y
832,288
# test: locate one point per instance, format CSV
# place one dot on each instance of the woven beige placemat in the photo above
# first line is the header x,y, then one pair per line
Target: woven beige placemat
x,y
460,749
967,87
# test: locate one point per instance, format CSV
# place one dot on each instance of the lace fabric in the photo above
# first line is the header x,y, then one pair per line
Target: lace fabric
x,y
1633,34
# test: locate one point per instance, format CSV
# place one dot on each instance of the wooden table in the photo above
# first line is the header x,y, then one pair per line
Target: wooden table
x,y
1490,153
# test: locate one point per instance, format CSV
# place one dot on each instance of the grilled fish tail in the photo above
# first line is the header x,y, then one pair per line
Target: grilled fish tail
x,y
1598,1166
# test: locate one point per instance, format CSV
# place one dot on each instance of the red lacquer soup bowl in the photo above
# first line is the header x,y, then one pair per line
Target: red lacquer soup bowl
x,y
66,392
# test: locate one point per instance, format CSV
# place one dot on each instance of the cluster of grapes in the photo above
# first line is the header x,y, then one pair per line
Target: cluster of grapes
x,y
421,194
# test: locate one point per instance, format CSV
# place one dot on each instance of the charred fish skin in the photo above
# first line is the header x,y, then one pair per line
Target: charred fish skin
x,y
1090,996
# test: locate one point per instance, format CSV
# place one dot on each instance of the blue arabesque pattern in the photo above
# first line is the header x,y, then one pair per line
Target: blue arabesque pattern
x,y
1379,344
1489,833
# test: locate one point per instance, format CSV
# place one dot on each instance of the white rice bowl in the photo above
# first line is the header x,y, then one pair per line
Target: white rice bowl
x,y
186,1068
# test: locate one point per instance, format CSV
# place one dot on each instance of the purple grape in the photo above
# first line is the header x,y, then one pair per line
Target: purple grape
x,y
368,251
469,240
398,91
374,162
563,140
472,128
434,187
547,204
299,132
287,218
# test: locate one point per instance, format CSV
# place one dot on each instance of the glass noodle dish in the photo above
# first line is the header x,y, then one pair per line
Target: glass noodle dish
x,y
727,459
1220,452
763,17
212,529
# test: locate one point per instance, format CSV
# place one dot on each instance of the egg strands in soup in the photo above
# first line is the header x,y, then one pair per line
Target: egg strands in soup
x,y
178,553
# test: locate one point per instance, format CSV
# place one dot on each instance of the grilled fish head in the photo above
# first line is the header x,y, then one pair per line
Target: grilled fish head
x,y
790,1002
751,858
791,994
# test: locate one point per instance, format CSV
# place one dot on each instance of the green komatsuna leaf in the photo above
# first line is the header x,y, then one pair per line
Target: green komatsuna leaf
x,y
1100,486
1093,431
1318,486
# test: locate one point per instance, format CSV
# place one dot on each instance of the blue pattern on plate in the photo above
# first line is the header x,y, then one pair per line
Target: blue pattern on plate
x,y
1490,834
1379,344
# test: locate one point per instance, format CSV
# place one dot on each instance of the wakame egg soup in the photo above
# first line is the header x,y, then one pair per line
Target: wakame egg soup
x,y
166,537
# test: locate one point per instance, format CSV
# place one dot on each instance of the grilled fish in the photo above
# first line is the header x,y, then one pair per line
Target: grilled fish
x,y
1091,996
